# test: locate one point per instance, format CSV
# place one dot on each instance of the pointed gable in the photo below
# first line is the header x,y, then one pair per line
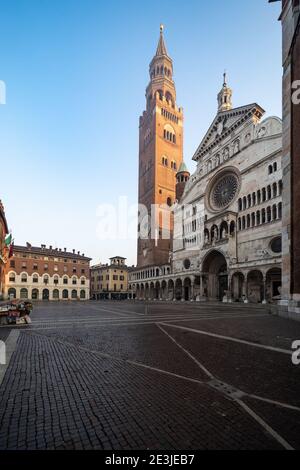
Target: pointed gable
x,y
224,123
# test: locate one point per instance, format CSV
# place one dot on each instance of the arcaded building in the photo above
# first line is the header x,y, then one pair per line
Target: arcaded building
x,y
40,273
227,216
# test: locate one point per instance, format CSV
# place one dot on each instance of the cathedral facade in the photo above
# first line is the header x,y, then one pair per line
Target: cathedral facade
x,y
226,243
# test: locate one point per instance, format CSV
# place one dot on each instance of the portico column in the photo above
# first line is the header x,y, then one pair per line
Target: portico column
x,y
201,286
192,291
245,289
174,292
229,293
183,292
264,289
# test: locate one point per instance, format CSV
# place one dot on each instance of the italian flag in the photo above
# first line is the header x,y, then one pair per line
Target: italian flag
x,y
8,239
11,250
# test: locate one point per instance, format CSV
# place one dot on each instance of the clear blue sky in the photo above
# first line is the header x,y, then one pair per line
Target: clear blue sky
x,y
76,72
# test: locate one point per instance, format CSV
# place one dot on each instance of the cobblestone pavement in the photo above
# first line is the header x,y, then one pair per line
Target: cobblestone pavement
x,y
110,375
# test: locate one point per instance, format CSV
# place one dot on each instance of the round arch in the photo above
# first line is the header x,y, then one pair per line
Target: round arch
x,y
255,283
82,294
45,294
178,289
35,294
55,294
215,275
273,284
24,293
65,294
238,286
74,294
12,293
187,289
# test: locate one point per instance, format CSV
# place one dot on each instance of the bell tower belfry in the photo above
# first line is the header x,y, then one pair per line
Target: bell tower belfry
x,y
160,156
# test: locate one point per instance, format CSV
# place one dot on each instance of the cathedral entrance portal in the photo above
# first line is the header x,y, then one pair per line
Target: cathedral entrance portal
x,y
215,270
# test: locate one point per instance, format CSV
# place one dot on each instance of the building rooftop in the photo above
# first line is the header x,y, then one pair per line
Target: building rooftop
x,y
43,250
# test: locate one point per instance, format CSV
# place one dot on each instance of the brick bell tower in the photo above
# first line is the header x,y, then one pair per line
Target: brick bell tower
x,y
160,157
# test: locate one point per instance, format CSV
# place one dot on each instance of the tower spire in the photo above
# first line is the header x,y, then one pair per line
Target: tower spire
x,y
161,48
225,96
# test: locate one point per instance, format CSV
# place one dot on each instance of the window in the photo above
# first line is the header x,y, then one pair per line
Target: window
x,y
35,278
276,245
45,267
74,281
55,280
258,197
269,192
65,280
24,294
12,277
35,267
24,278
248,221
56,294
12,264
258,217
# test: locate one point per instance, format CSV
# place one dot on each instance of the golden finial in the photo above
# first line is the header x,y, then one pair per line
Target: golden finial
x,y
161,28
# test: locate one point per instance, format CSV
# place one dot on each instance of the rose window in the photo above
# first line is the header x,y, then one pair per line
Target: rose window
x,y
224,191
